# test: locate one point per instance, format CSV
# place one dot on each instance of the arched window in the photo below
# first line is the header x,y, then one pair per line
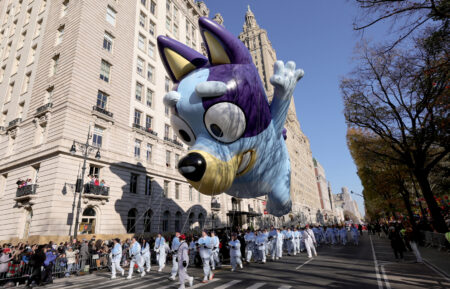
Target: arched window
x,y
165,221
148,221
131,221
201,220
191,221
234,204
88,220
178,217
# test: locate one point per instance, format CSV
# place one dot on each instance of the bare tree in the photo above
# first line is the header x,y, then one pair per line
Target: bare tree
x,y
403,98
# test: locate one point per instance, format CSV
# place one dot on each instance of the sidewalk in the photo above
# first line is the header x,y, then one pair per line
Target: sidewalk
x,y
438,259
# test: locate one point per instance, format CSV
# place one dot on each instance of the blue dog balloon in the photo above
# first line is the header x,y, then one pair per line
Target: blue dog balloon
x,y
219,109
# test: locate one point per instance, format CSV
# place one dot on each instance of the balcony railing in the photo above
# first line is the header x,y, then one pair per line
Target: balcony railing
x,y
44,108
91,189
175,142
215,206
27,190
102,111
147,130
14,123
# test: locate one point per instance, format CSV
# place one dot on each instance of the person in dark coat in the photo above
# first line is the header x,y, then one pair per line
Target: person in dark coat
x,y
36,262
396,242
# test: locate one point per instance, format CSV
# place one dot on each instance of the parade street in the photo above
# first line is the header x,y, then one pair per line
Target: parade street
x,y
334,267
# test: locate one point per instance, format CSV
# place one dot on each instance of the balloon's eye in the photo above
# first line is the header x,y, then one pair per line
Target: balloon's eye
x,y
183,130
225,122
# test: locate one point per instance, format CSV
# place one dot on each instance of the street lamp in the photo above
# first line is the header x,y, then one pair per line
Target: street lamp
x,y
85,149
352,192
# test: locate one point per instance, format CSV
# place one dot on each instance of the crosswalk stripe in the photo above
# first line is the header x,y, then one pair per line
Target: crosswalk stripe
x,y
229,284
136,281
285,287
75,280
147,284
256,286
204,284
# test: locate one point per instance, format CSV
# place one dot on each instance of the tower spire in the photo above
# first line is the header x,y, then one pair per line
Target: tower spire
x,y
250,21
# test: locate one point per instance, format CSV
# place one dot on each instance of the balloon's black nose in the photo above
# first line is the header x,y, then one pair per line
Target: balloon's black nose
x,y
192,167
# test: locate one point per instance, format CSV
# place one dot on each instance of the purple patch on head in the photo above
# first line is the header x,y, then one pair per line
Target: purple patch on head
x,y
285,133
248,94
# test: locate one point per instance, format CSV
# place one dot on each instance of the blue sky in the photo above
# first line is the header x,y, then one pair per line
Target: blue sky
x,y
318,36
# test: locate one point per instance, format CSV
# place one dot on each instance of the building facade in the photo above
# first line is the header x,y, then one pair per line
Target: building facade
x,y
303,181
72,69
346,203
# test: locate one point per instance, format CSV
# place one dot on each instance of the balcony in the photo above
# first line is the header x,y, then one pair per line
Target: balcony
x,y
215,206
148,131
44,108
96,192
14,123
25,193
102,113
172,141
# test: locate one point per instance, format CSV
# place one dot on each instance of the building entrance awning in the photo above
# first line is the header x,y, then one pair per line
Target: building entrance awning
x,y
242,213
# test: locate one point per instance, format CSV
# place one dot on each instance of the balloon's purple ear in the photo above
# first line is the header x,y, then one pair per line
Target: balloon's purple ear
x,y
222,46
179,59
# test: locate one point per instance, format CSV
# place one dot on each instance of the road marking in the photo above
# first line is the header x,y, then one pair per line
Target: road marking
x,y
380,284
139,282
285,287
229,284
386,280
437,270
304,264
152,283
256,286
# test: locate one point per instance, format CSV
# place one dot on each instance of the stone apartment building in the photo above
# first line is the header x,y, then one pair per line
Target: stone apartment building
x,y
72,69
344,201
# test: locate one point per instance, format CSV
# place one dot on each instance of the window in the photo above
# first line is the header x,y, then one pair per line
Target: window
x,y
27,19
54,67
168,157
32,54
111,16
22,39
20,110
94,171
142,19
175,14
13,28
107,42
131,221
148,221
166,131
7,50
16,65
148,121
137,117
166,189
133,183
105,70
166,110
178,217
43,4
175,30
191,221
88,220
19,6
150,73
201,220
97,137
153,7
165,221
139,89
141,42
168,23
140,66
10,92
26,82
137,148
102,99
151,50
152,28
3,180
177,191
149,152
167,84
2,72
64,8
144,2
168,6
149,101
190,194
177,159
60,35
37,31
48,95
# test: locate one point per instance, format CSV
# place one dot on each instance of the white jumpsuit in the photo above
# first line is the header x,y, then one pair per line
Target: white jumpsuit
x,y
249,246
205,253
135,254
215,252
183,256
261,247
145,256
175,245
235,253
309,242
160,249
279,245
116,256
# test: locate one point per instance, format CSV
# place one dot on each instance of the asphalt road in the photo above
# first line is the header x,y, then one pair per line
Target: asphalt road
x,y
334,267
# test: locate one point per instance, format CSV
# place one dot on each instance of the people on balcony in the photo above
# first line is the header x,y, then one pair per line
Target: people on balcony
x,y
23,183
